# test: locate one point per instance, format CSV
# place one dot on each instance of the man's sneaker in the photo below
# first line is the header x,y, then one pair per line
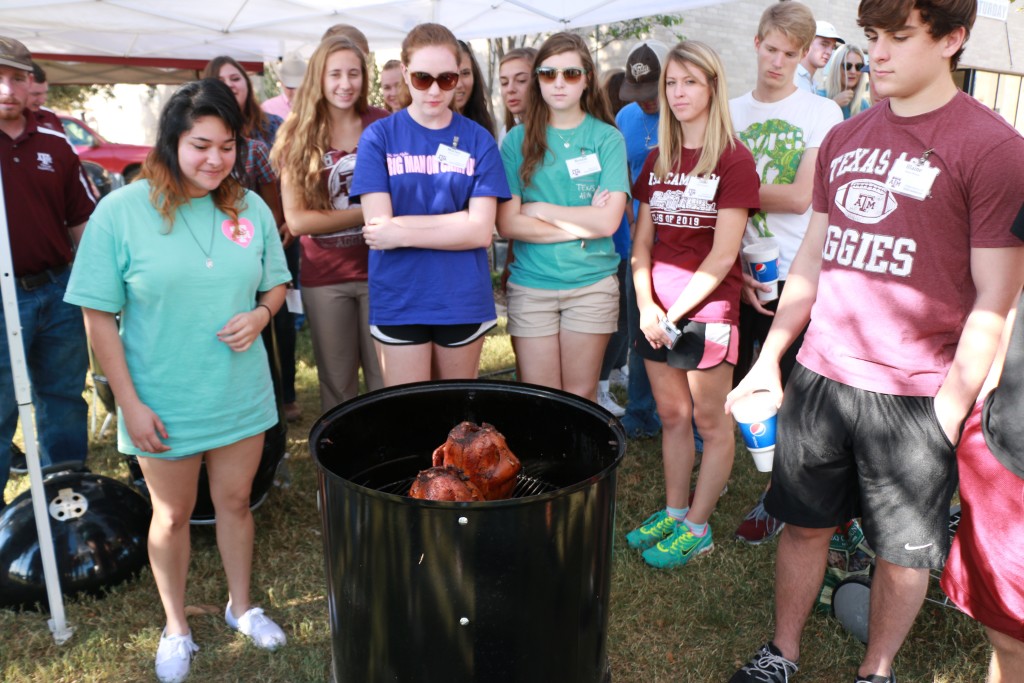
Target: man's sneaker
x,y
19,465
876,678
679,548
174,657
265,634
657,527
607,401
619,377
758,526
767,666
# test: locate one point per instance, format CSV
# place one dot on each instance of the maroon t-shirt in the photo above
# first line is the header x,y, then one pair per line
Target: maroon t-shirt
x,y
46,193
341,256
684,227
895,287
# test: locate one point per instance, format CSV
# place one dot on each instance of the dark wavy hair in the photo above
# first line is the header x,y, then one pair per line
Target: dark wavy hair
x,y
255,120
192,101
941,16
476,108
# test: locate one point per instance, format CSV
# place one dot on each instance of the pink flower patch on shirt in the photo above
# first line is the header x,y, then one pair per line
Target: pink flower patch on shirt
x,y
241,234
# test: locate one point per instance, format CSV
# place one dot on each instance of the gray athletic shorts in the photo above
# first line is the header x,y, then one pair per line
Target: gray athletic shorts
x,y
844,452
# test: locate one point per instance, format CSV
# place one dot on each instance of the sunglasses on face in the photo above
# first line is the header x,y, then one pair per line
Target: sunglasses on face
x,y
548,74
852,66
421,80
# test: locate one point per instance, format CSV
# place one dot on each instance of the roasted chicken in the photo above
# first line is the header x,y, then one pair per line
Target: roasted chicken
x,y
475,463
481,452
444,483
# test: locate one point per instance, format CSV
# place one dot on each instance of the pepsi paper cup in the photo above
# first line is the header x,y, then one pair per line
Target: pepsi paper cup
x,y
756,415
763,261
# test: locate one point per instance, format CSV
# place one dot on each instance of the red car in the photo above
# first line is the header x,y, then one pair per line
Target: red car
x,y
116,158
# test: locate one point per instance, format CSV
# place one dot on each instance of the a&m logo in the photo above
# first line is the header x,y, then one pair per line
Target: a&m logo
x,y
45,161
865,201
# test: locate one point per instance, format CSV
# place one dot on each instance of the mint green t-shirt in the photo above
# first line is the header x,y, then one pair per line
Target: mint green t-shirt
x,y
172,306
566,265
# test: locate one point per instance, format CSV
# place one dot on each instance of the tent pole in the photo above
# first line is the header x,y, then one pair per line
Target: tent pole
x,y
23,394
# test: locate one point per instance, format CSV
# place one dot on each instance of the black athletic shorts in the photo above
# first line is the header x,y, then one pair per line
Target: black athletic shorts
x,y
844,452
448,336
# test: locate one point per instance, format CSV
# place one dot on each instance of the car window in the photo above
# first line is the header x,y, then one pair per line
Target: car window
x,y
78,135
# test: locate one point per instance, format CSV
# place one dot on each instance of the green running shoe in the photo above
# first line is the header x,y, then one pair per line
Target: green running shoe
x,y
678,549
658,526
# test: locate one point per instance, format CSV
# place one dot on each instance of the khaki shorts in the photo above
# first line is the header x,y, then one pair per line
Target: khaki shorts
x,y
593,309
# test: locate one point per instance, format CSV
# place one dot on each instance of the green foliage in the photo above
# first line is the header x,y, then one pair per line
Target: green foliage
x,y
636,29
71,97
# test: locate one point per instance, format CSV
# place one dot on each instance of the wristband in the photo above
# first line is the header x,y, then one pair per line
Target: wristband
x,y
269,312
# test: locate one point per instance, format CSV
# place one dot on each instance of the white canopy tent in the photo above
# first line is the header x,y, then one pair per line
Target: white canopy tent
x,y
110,41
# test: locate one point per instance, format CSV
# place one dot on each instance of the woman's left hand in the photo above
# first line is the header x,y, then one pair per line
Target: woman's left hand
x,y
242,330
382,233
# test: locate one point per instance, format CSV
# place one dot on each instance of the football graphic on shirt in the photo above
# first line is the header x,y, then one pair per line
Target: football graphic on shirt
x,y
865,201
339,181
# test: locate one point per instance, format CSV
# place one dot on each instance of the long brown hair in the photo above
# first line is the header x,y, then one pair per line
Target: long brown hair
x,y
526,54
255,119
593,101
305,136
192,101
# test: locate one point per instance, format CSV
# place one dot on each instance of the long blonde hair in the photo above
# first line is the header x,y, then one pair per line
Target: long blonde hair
x,y
305,137
718,134
835,83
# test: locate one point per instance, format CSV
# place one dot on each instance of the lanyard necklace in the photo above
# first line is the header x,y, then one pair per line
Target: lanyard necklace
x,y
213,232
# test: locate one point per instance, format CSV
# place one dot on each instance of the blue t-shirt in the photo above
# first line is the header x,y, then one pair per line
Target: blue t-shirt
x,y
413,286
575,263
640,130
172,306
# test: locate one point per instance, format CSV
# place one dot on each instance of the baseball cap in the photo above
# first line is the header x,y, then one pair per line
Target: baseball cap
x,y
14,54
291,72
643,71
827,30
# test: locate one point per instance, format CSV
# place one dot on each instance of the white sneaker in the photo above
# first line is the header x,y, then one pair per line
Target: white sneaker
x,y
265,634
619,377
174,657
605,400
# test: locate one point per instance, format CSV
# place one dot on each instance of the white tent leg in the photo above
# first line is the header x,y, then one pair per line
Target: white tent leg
x,y
23,394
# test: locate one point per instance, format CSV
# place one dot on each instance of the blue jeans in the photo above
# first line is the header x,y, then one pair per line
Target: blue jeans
x,y
641,416
55,350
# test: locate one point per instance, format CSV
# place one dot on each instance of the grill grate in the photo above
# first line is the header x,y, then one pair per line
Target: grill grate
x,y
534,479
525,486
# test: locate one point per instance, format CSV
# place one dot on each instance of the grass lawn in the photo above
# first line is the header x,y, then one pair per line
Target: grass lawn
x,y
692,625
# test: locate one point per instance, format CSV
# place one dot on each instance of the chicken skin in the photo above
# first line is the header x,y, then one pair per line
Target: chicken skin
x,y
481,452
444,483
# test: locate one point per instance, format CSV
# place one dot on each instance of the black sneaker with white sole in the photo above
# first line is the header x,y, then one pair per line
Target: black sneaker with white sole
x,y
767,666
877,678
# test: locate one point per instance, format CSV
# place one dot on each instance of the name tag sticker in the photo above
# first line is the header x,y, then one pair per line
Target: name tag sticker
x,y
583,165
912,178
447,154
702,188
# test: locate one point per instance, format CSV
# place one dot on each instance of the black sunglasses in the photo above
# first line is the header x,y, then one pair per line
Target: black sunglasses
x,y
548,74
421,80
852,66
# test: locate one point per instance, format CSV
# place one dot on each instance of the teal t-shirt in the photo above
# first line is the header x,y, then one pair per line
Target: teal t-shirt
x,y
172,306
566,265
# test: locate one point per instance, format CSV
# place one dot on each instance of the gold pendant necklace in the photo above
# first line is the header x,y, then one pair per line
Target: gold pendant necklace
x,y
213,232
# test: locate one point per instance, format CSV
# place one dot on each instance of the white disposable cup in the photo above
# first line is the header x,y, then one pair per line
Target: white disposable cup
x,y
763,458
757,416
755,407
764,252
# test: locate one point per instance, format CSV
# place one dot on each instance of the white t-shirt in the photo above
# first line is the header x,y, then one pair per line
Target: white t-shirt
x,y
777,134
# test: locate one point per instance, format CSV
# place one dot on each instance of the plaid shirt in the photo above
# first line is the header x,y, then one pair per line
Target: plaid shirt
x,y
258,170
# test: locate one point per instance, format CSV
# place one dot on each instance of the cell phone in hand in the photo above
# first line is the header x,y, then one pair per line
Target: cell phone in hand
x,y
671,330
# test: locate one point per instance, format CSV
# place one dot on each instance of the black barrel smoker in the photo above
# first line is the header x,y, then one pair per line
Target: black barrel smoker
x,y
512,590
